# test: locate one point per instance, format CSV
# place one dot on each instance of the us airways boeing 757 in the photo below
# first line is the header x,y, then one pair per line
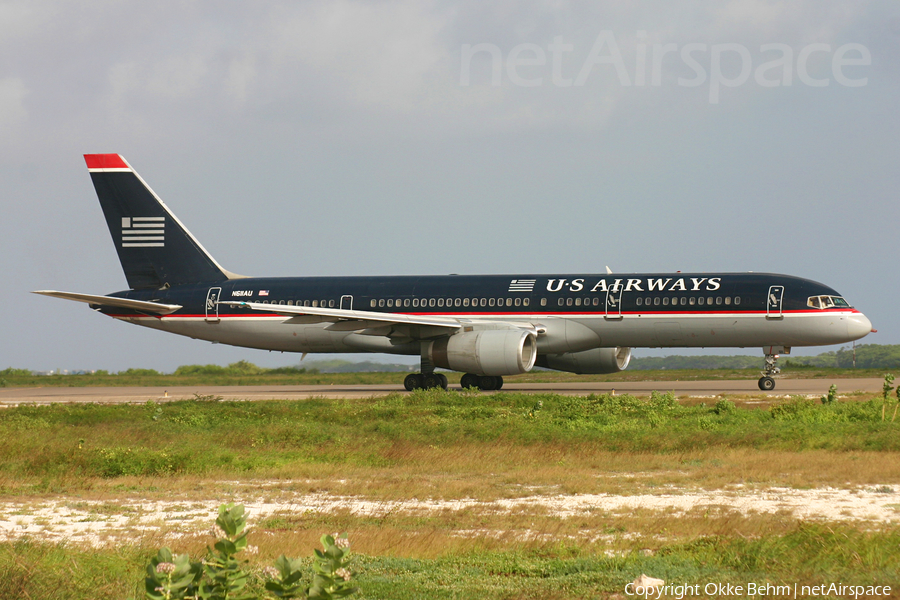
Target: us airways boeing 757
x,y
485,326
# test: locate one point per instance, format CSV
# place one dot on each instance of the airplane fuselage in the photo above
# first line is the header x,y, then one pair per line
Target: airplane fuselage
x,y
571,312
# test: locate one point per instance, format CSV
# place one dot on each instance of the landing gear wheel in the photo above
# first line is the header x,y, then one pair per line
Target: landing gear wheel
x,y
431,380
766,384
413,382
469,381
490,382
443,379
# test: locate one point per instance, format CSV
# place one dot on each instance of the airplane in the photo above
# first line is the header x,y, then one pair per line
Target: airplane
x,y
485,326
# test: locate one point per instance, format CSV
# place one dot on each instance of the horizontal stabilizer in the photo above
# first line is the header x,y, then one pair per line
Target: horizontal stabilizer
x,y
139,305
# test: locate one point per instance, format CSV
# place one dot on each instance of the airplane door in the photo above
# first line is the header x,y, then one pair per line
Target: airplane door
x,y
212,305
773,303
346,302
614,302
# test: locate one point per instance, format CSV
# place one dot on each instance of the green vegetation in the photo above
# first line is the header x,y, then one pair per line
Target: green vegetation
x,y
463,445
808,554
262,438
222,575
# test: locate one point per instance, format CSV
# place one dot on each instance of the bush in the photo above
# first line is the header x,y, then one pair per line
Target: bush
x,y
724,407
222,575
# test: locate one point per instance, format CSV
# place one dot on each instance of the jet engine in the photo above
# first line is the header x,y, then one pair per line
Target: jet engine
x,y
486,352
598,361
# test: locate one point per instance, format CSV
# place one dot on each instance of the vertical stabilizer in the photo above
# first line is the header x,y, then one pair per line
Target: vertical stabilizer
x,y
155,249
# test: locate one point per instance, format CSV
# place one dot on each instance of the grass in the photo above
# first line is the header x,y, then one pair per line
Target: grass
x,y
72,446
104,460
808,554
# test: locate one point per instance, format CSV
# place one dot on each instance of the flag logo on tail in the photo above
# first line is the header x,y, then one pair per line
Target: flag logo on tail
x,y
143,232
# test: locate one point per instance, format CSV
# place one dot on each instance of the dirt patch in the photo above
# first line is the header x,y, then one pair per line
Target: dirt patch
x,y
106,522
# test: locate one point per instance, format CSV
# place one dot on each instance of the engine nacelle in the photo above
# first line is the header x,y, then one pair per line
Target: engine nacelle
x,y
486,352
598,361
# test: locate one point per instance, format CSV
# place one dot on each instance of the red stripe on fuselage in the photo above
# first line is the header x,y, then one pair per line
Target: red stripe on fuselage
x,y
529,315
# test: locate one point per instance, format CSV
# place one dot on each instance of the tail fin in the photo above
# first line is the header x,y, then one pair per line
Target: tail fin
x,y
155,249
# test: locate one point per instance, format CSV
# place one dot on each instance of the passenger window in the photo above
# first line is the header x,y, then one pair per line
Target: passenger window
x,y
372,303
415,302
431,302
737,299
331,304
568,302
406,302
700,300
526,301
692,301
316,303
543,302
666,301
709,301
684,301
718,300
491,302
639,301
390,303
518,302
509,301
483,302
465,301
562,301
577,301
728,300
440,302
656,301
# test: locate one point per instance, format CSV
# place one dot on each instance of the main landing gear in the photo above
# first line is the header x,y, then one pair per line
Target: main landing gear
x,y
427,381
766,382
482,382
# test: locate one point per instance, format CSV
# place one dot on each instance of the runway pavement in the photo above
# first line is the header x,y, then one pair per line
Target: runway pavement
x,y
696,389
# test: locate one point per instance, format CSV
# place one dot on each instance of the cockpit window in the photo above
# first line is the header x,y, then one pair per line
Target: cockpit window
x,y
838,301
827,302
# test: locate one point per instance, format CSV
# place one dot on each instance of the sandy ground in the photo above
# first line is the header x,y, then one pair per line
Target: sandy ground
x,y
108,522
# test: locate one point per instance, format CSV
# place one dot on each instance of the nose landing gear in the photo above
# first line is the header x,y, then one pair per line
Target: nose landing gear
x,y
766,382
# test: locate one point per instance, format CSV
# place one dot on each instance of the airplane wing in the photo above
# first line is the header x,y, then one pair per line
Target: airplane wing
x,y
348,320
156,308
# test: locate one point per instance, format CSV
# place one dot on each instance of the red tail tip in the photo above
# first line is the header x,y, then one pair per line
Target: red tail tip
x,y
105,161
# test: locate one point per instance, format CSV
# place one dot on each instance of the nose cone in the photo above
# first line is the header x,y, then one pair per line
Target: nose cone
x,y
858,326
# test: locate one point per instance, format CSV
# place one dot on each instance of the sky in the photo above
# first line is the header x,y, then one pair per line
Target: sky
x,y
429,137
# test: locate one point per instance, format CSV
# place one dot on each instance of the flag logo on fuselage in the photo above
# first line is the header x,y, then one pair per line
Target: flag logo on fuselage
x,y
521,285
143,232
